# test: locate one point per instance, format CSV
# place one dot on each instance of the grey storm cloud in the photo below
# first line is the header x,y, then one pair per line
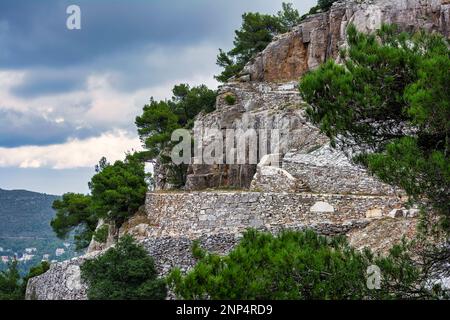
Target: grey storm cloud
x,y
36,32
20,129
142,43
40,82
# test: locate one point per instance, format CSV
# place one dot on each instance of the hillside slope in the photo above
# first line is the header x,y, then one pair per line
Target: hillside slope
x,y
25,223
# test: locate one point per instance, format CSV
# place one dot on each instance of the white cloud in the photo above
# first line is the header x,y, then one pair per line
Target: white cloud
x,y
72,154
102,103
100,106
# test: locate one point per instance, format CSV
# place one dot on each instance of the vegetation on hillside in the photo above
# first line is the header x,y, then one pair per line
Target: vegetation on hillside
x,y
256,32
160,118
124,272
12,286
390,103
117,191
300,265
25,218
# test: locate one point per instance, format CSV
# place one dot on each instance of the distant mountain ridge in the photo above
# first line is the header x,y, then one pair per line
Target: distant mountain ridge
x,y
25,231
25,214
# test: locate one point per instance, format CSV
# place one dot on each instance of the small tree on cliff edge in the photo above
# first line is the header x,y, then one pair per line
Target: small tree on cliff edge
x,y
160,118
117,191
256,32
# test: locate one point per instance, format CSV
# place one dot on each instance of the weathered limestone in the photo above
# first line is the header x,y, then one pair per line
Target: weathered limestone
x,y
381,234
267,95
270,178
98,246
329,170
321,36
268,109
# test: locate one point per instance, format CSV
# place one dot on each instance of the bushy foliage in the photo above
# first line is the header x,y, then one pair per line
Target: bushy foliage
x,y
160,118
12,286
297,265
230,99
74,211
390,99
188,102
10,283
101,234
117,191
256,32
124,272
325,4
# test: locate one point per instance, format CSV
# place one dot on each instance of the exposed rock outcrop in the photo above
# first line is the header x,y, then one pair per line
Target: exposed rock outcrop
x,y
267,96
321,36
329,170
273,111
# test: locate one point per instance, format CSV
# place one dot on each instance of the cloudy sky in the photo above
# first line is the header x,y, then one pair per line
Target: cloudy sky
x,y
69,97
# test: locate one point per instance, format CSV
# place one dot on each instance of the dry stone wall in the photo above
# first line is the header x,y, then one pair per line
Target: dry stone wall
x,y
217,220
63,281
198,213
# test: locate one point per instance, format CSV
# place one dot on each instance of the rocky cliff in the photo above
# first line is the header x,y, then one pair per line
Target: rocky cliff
x,y
310,186
321,36
266,90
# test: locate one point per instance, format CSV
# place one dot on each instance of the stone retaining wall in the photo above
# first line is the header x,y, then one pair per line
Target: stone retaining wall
x,y
199,213
217,220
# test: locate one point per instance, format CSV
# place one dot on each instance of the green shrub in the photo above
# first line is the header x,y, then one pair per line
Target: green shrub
x,y
117,192
124,272
10,283
230,99
300,265
101,234
294,265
